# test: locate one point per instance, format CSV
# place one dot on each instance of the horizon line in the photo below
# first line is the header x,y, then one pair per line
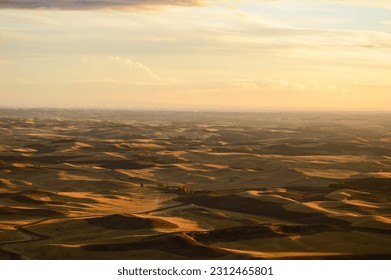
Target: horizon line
x,y
203,110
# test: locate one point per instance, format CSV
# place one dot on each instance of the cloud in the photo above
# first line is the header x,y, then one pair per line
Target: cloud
x,y
309,87
370,3
92,4
386,21
117,70
142,67
267,84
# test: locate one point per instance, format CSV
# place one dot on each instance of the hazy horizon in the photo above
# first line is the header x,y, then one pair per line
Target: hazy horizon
x,y
203,110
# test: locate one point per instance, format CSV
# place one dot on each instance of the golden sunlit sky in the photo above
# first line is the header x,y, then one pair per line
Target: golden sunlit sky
x,y
172,54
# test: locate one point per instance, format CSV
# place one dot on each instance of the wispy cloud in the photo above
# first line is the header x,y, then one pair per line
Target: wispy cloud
x,y
142,67
386,21
308,87
92,4
371,3
120,71
268,84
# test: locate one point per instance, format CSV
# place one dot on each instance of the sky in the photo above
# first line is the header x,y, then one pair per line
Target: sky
x,y
196,55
